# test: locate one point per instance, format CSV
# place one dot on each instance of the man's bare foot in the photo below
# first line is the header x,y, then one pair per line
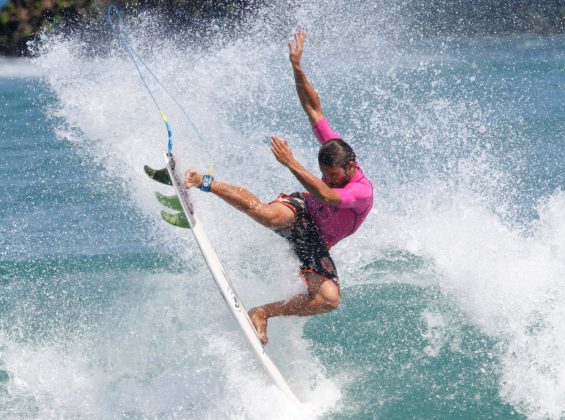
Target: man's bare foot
x,y
259,318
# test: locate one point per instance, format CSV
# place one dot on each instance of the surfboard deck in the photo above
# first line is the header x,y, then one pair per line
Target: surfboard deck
x,y
219,275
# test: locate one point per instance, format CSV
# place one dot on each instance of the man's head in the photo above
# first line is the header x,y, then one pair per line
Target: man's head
x,y
337,163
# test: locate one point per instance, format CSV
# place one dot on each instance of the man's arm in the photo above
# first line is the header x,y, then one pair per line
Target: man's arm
x,y
312,183
308,96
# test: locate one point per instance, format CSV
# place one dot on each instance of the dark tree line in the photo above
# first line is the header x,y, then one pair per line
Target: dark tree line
x,y
20,20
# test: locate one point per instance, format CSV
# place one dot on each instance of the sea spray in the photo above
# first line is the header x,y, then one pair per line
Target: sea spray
x,y
456,274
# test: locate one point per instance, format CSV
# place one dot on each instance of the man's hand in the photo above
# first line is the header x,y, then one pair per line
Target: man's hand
x,y
192,179
296,51
282,151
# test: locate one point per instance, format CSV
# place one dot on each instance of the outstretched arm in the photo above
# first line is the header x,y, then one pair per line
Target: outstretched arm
x,y
308,96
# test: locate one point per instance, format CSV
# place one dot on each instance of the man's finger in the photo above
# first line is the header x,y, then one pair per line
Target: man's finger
x,y
275,139
275,154
274,144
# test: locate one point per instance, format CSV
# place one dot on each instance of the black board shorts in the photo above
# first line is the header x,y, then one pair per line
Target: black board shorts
x,y
304,237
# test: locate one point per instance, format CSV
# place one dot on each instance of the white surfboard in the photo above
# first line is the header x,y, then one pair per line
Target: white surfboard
x,y
222,281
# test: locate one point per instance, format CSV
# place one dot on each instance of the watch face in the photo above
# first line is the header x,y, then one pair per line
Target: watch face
x,y
206,183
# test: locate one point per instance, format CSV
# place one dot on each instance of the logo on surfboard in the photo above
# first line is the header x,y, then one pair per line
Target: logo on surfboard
x,y
235,299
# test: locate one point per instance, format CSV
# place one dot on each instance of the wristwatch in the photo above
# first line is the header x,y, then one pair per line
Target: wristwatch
x,y
206,183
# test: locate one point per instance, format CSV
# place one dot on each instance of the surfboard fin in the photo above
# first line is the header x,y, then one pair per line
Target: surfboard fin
x,y
170,201
159,175
177,219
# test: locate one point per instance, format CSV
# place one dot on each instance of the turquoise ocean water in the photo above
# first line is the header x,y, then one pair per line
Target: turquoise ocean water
x,y
453,299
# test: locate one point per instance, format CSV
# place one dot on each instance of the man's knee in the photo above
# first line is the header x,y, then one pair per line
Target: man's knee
x,y
275,215
324,290
333,300
329,301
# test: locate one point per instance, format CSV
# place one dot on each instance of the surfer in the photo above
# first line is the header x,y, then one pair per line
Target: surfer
x,y
332,208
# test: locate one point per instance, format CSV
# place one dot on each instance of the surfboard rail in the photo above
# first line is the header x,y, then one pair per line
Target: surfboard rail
x,y
223,282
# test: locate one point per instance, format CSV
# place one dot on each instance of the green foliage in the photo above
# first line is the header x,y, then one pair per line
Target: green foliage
x,y
22,19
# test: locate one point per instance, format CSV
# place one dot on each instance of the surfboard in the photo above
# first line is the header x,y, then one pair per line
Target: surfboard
x,y
170,176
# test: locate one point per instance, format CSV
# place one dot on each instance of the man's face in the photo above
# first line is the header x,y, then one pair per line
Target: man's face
x,y
336,176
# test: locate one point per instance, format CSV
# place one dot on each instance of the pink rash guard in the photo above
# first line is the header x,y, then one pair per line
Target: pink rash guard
x,y
337,222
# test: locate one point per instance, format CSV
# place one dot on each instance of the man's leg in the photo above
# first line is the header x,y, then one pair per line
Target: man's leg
x,y
271,215
323,294
323,297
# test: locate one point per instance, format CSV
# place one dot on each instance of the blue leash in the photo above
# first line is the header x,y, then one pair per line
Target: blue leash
x,y
135,58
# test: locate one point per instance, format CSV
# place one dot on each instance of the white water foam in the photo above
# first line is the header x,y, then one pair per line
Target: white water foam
x,y
109,117
507,282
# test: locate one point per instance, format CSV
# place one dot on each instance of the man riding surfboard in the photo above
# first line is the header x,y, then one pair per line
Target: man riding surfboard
x,y
332,208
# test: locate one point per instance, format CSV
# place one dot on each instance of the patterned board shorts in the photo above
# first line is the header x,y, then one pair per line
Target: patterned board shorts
x,y
305,239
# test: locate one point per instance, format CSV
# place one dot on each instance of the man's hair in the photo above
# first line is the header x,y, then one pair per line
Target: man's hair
x,y
336,153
